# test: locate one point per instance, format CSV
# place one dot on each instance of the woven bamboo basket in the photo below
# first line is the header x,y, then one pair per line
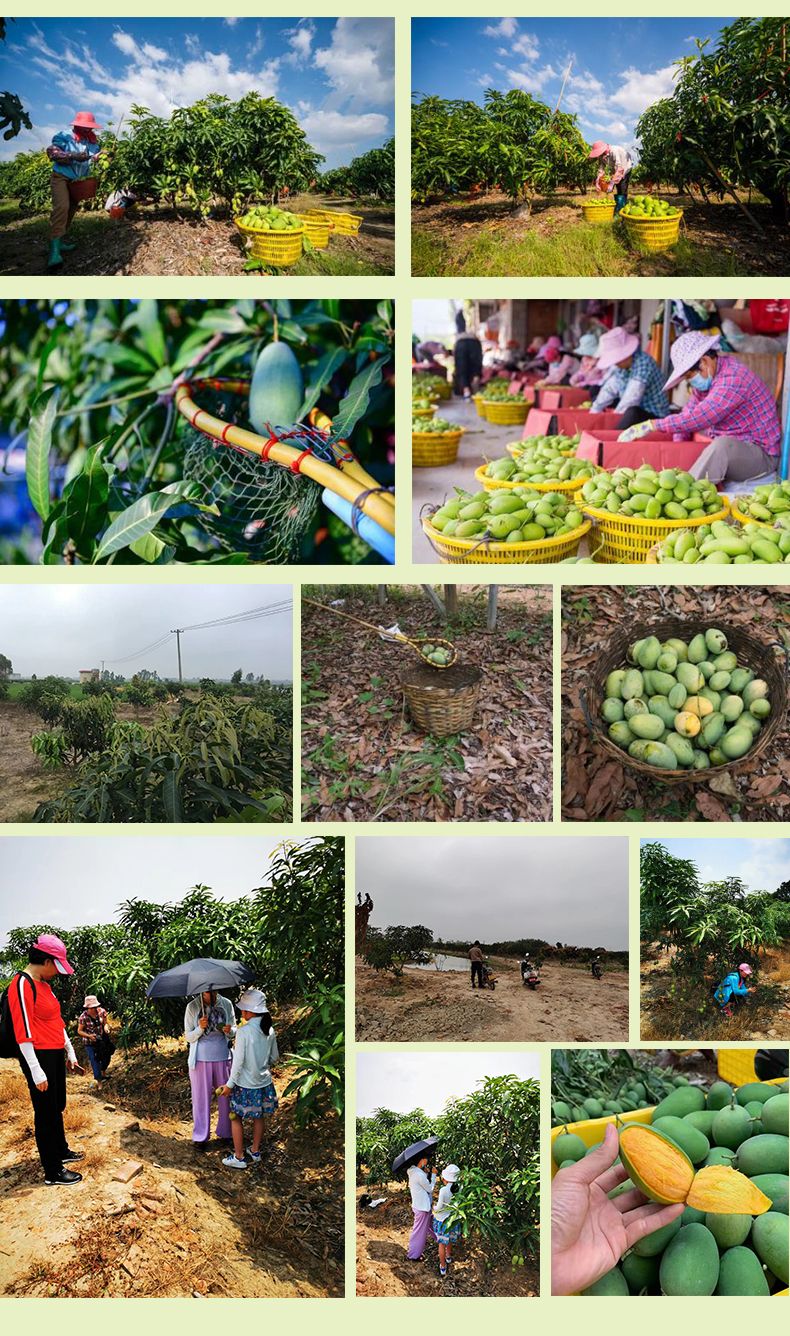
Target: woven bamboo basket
x,y
653,234
440,706
755,654
505,415
628,538
593,212
279,249
433,449
491,484
317,230
473,552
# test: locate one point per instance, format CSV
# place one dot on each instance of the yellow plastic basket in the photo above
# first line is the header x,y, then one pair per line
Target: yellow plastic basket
x,y
736,1065
505,415
477,400
654,234
743,518
593,212
492,485
432,449
345,224
473,552
626,538
423,412
280,249
317,230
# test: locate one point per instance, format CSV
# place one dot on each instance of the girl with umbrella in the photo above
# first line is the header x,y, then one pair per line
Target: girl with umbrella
x,y
73,154
209,1022
415,1160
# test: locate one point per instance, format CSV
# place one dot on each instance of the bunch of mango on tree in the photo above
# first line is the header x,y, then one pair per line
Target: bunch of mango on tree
x,y
722,1155
518,516
685,704
531,466
768,504
648,206
722,544
670,494
268,218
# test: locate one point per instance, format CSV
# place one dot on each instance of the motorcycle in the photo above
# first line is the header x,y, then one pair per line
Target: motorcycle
x,y
597,969
488,979
530,976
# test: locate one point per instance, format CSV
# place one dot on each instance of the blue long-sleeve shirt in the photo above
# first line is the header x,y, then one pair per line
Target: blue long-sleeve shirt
x,y
69,143
731,986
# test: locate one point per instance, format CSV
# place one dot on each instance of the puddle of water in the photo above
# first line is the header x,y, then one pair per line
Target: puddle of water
x,y
442,963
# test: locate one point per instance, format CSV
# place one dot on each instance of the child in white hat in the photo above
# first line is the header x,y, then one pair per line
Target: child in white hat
x,y
250,1084
446,1235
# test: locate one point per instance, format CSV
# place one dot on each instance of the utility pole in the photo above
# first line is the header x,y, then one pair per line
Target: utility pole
x,y
175,632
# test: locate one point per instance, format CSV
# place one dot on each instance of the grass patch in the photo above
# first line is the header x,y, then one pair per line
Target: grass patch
x,y
15,690
676,1013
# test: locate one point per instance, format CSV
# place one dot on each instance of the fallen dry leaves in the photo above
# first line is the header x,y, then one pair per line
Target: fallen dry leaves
x,y
362,758
594,786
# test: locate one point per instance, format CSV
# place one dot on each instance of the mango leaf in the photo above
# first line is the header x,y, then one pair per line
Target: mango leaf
x,y
85,501
150,327
39,442
152,550
324,371
171,796
355,404
143,516
223,322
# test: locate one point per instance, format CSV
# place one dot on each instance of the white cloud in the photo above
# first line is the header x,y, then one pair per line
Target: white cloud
x,y
585,82
154,53
359,62
530,80
485,81
504,28
330,131
28,141
300,40
231,23
192,43
637,90
526,45
125,42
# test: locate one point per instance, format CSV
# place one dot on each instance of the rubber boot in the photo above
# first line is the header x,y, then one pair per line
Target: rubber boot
x,y
620,202
67,245
55,257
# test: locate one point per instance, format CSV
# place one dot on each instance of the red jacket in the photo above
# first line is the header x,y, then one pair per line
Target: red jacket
x,y
37,1021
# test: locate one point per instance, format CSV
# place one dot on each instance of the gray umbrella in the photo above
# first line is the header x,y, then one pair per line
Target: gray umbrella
x,y
197,976
413,1153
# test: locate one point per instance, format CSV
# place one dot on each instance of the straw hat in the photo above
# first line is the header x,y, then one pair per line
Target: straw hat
x,y
686,352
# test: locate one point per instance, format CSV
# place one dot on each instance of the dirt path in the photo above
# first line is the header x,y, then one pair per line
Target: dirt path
x,y
665,1018
182,1226
568,1006
383,1269
155,240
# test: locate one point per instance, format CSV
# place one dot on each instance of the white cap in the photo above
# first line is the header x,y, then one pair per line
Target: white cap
x,y
253,1000
451,1173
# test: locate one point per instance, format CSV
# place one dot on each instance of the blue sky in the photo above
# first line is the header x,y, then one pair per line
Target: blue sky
x,y
620,66
336,75
761,864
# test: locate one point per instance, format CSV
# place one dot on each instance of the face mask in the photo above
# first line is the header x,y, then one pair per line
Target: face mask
x,y
701,382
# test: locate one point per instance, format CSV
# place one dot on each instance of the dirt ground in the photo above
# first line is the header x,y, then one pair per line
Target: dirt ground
x,y
595,787
24,781
182,1226
364,760
384,1271
718,231
659,1015
567,1006
154,240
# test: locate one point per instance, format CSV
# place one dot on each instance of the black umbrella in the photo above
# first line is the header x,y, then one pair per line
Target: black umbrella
x,y
413,1153
198,976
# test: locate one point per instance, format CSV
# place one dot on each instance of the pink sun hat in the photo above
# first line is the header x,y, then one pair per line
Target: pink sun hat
x,y
744,969
615,345
598,149
86,121
53,946
686,352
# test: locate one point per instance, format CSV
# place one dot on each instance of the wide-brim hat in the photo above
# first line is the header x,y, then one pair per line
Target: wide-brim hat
x,y
686,352
588,345
54,947
91,1001
253,1000
86,121
598,149
451,1173
615,346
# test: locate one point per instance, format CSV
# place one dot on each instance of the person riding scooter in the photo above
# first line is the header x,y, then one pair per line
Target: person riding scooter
x,y
530,977
597,968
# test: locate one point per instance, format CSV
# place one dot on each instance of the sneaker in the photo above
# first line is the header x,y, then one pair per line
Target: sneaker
x,y
72,1156
64,1179
200,1145
231,1162
255,1156
443,1271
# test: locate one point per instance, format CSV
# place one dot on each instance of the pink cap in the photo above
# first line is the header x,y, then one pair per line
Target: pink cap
x,y
615,346
53,946
598,149
744,969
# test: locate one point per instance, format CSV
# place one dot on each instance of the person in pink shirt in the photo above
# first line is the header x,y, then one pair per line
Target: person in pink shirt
x,y
727,402
614,172
589,372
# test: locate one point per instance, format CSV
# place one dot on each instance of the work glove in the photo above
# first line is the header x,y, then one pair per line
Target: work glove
x,y
636,433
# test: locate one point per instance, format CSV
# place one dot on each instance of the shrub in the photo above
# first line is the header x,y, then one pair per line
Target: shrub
x,y
395,947
52,687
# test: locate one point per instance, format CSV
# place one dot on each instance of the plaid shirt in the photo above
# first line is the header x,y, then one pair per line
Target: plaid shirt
x,y
737,404
93,1025
639,386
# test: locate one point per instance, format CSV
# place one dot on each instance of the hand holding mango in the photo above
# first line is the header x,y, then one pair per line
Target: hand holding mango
x,y
684,705
636,432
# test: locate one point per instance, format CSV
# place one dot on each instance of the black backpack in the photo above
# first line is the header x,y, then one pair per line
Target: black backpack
x,y
9,1048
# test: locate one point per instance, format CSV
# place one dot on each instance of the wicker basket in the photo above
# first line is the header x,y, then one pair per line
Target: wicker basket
x,y
653,234
473,552
432,449
505,415
626,538
597,213
317,230
752,652
279,249
491,484
439,706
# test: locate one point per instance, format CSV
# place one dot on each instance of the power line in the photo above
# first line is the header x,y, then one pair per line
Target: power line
x,y
237,618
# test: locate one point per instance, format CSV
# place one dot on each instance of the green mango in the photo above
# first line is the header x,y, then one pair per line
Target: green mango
x,y
276,390
648,726
740,1272
736,742
697,649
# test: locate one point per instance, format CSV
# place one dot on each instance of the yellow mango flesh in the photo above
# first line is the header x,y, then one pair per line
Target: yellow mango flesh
x,y
720,1190
656,1166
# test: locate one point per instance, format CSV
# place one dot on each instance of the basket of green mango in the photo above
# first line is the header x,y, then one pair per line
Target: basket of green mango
x,y
503,528
276,235
434,442
768,505
722,544
634,509
675,699
531,469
